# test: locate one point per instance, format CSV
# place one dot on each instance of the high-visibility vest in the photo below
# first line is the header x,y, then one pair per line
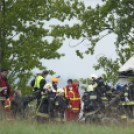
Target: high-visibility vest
x,y
38,80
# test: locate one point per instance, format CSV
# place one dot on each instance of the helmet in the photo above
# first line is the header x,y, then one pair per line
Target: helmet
x,y
54,79
90,88
118,86
93,76
59,91
48,86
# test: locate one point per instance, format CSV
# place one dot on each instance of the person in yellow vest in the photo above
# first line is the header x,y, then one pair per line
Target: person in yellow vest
x,y
39,84
67,89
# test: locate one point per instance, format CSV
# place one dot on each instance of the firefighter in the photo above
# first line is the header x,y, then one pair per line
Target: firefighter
x,y
126,109
54,81
45,108
75,102
8,106
67,89
131,91
100,87
60,105
92,101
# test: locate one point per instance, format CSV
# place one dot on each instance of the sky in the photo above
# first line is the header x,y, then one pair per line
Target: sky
x,y
71,66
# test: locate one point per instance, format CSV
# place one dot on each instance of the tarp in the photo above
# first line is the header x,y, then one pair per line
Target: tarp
x,y
128,66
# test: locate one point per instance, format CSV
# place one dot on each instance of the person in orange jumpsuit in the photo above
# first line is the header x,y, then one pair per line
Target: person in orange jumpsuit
x,y
8,105
75,102
67,89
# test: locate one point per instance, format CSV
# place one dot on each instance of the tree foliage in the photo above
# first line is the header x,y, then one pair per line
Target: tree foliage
x,y
24,36
113,16
111,67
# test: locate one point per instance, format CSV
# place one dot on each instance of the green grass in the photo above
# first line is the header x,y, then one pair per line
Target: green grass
x,y
27,127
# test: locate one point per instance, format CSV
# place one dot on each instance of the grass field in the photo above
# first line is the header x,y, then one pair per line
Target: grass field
x,y
27,127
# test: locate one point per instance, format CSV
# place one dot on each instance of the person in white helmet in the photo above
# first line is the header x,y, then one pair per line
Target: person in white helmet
x,y
91,102
60,105
100,86
45,107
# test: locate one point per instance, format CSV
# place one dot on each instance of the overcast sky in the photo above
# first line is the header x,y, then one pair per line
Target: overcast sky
x,y
71,66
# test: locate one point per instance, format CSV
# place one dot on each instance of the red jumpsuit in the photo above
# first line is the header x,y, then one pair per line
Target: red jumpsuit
x,y
67,111
7,107
75,102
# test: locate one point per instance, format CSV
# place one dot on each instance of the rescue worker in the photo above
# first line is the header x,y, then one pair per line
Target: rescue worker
x,y
131,91
8,106
45,108
54,81
67,89
75,102
100,87
39,84
5,90
60,105
126,109
92,101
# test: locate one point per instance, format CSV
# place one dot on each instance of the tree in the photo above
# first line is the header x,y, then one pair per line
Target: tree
x,y
111,67
23,35
114,16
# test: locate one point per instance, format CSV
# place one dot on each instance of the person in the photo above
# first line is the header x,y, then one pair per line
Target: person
x,y
54,81
75,102
5,90
67,89
126,109
39,85
40,81
100,87
16,105
45,106
91,102
131,90
8,105
19,105
60,105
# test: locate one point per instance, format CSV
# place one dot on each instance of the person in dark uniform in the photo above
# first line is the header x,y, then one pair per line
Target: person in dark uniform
x,y
92,103
60,105
126,108
100,87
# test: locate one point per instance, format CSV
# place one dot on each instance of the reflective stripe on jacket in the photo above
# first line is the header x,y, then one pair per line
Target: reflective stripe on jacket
x,y
67,90
75,101
7,107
